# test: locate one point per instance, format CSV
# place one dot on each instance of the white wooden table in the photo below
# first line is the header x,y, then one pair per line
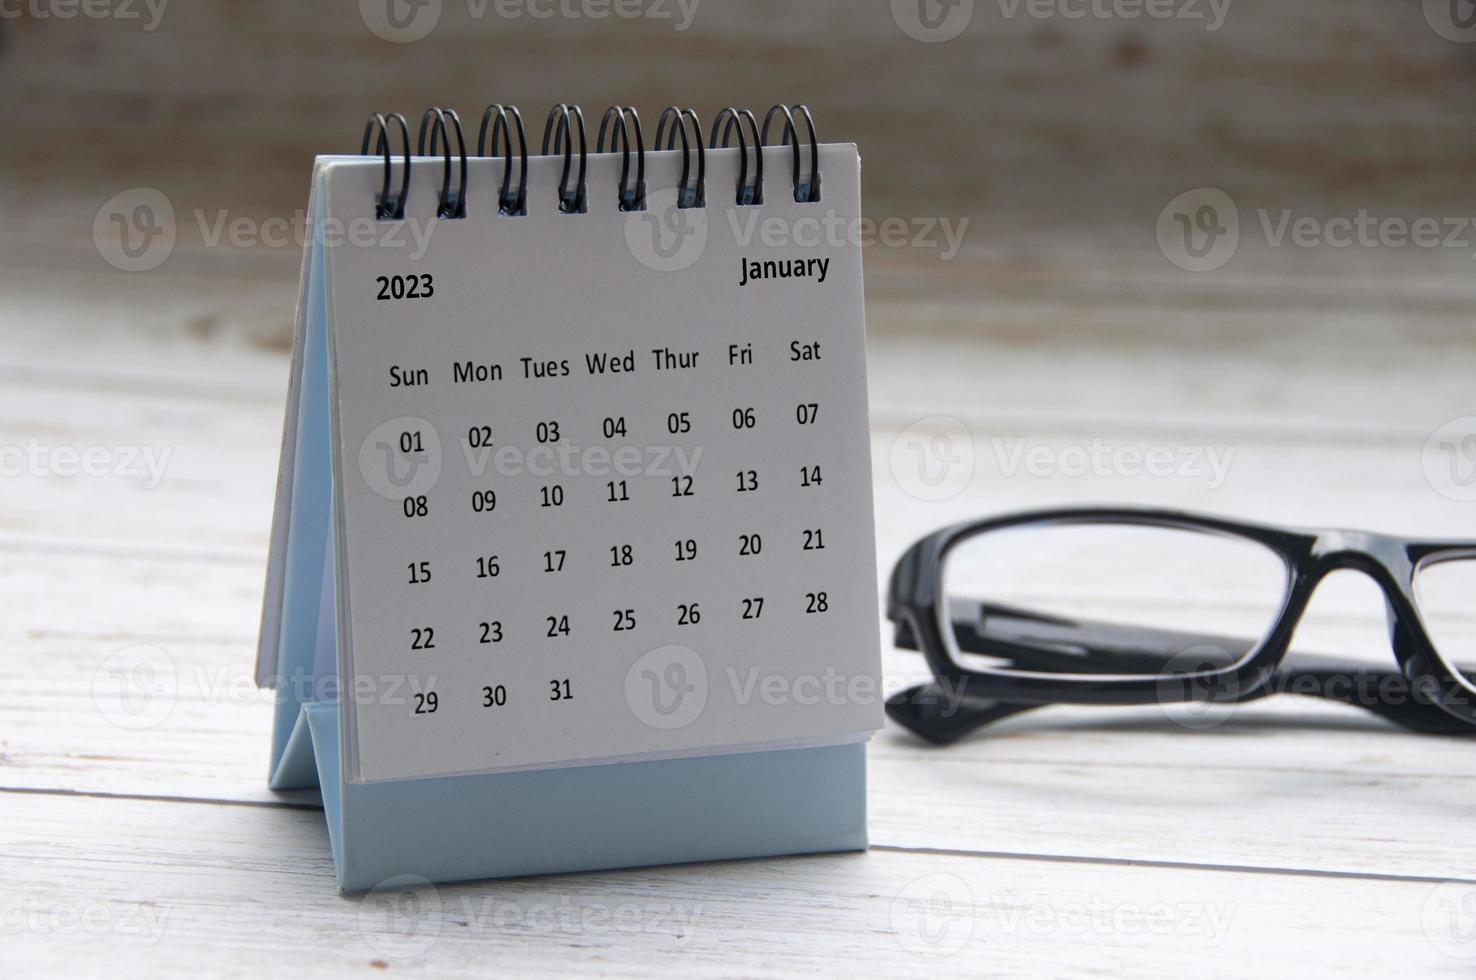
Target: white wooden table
x,y
1293,839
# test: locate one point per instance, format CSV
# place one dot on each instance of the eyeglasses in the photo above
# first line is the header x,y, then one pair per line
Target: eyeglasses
x,y
1136,606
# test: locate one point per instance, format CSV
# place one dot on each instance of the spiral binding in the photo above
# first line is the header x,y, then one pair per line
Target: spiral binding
x,y
451,204
688,195
632,197
805,191
747,194
386,206
570,201
623,126
507,202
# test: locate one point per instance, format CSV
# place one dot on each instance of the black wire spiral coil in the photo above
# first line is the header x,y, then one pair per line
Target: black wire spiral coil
x,y
566,121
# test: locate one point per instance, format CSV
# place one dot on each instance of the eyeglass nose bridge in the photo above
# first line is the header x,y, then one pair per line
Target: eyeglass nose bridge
x,y
1386,561
1378,556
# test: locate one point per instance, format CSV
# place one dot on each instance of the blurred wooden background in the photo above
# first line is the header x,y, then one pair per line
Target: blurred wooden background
x,y
1059,139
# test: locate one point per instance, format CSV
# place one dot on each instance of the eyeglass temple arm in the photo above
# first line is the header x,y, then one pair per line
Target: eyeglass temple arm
x,y
1034,641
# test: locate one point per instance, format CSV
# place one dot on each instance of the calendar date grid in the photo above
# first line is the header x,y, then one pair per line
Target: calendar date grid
x,y
780,444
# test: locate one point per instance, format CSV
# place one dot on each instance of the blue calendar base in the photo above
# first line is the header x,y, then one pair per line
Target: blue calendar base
x,y
751,804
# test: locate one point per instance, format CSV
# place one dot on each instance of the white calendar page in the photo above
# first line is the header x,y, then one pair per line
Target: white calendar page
x,y
601,493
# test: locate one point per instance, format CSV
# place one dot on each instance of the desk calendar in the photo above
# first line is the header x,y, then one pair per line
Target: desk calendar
x,y
574,514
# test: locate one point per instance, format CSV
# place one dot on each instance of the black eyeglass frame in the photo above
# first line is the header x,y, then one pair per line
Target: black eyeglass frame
x,y
916,602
